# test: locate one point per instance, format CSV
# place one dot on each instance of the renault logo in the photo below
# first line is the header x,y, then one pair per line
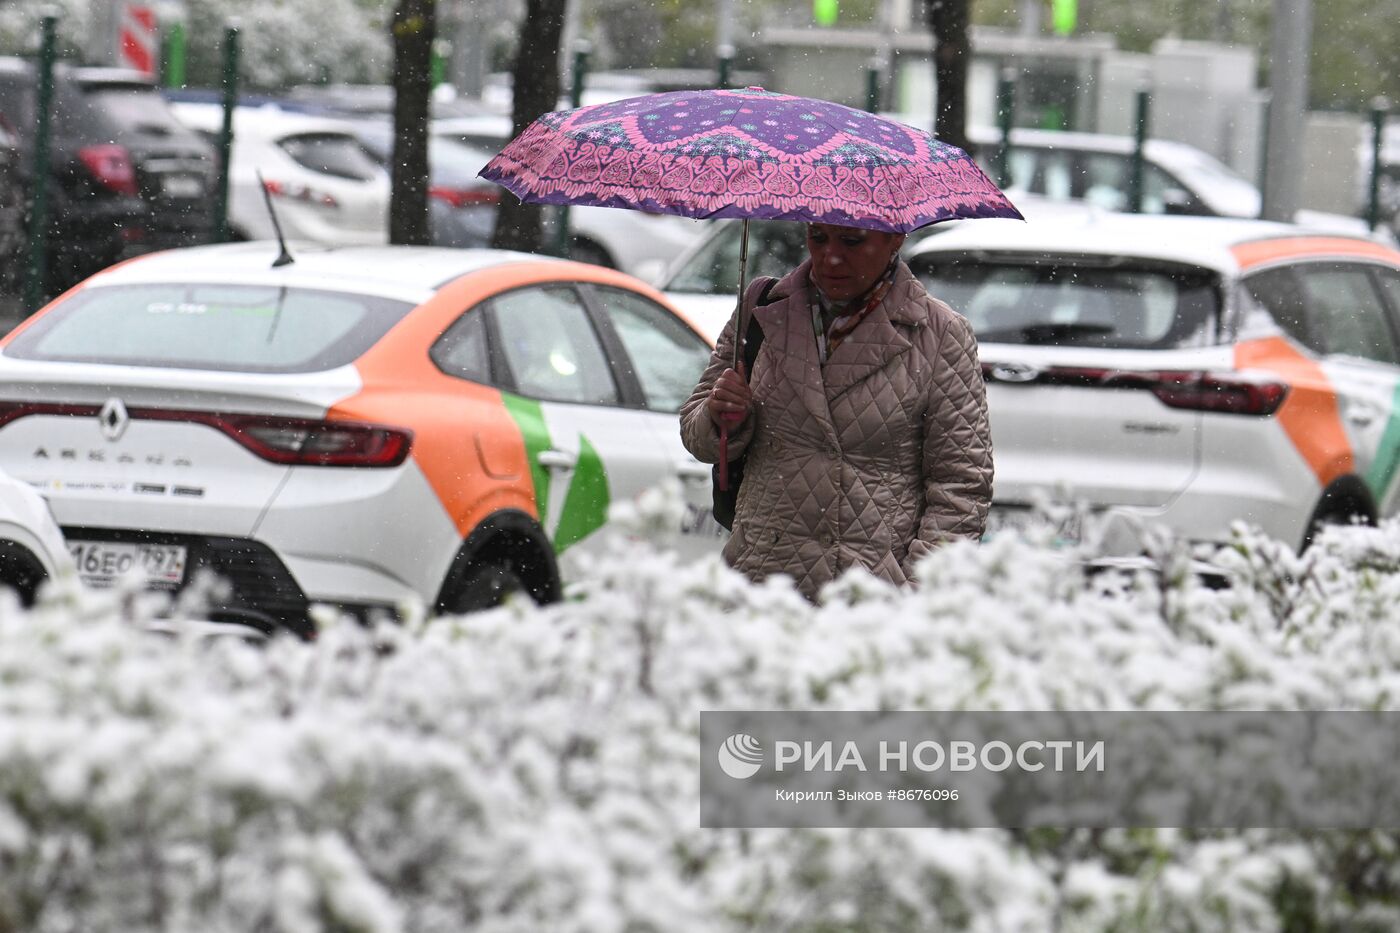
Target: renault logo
x,y
113,419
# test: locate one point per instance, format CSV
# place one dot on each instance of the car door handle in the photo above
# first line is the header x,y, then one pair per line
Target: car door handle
x,y
1360,416
557,459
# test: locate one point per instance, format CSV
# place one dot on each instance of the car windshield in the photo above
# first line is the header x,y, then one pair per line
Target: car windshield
x,y
1067,304
238,328
1226,191
775,249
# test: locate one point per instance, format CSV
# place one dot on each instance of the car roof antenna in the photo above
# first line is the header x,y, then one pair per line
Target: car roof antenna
x,y
284,258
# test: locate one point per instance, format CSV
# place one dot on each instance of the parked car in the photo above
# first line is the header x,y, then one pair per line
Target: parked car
x,y
1190,371
1177,178
32,549
125,176
325,186
635,242
461,205
703,281
361,427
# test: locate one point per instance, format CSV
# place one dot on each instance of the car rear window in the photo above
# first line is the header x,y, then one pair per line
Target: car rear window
x,y
134,108
335,154
1068,304
234,328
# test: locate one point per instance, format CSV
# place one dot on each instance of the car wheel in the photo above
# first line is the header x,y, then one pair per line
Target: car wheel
x,y
1336,509
487,585
590,252
20,571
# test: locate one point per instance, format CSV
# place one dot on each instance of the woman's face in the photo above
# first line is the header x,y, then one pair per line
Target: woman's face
x,y
846,261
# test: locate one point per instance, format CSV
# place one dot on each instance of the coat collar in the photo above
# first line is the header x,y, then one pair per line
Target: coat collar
x,y
787,323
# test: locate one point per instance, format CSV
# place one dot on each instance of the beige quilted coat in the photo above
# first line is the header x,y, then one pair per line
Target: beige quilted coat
x,y
872,459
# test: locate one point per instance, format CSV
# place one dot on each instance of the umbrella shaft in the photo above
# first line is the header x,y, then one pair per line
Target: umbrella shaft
x,y
743,330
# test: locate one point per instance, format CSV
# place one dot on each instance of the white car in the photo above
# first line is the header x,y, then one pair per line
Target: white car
x,y
703,281
32,549
641,244
1188,371
1177,178
363,427
325,187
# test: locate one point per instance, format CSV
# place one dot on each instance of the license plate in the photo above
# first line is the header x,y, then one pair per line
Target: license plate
x,y
103,563
181,186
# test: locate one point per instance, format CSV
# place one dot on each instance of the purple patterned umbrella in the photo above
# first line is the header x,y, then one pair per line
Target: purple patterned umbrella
x,y
746,154
749,154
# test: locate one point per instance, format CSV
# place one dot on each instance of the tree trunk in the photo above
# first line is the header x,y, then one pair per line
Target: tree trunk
x,y
414,28
535,91
948,21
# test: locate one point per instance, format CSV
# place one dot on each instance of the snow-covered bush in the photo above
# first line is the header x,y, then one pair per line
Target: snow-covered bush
x,y
537,768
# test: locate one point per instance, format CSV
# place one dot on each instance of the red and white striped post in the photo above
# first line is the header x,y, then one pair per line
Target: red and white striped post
x,y
138,37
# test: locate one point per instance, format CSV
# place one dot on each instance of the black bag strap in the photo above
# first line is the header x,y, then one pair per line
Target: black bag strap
x,y
753,335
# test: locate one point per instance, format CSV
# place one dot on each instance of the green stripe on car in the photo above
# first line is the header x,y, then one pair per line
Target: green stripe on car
x,y
1387,460
529,417
586,502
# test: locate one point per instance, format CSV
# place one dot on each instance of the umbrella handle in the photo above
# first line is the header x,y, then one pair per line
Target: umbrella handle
x,y
738,361
723,458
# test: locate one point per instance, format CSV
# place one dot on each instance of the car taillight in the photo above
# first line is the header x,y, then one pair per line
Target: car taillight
x,y
465,197
1220,394
303,193
1199,391
293,441
111,165
320,443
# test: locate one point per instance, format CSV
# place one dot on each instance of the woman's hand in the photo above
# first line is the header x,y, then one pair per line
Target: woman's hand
x,y
729,400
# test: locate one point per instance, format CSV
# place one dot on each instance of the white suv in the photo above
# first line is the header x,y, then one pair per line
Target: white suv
x,y
325,186
1192,371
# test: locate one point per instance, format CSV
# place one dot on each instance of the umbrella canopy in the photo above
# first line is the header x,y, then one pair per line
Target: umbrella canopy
x,y
749,154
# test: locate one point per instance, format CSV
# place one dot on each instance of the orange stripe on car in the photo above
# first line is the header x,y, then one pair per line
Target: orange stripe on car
x,y
1263,252
1309,415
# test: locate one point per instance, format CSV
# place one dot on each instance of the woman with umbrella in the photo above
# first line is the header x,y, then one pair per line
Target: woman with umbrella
x,y
863,424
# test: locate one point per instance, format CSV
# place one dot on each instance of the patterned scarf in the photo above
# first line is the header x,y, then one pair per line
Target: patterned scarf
x,y
855,312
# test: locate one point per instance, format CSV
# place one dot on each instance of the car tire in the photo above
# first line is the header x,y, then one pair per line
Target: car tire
x,y
1336,507
590,252
21,571
488,585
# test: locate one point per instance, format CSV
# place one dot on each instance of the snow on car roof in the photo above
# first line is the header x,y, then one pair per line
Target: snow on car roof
x,y
1200,241
407,273
265,120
